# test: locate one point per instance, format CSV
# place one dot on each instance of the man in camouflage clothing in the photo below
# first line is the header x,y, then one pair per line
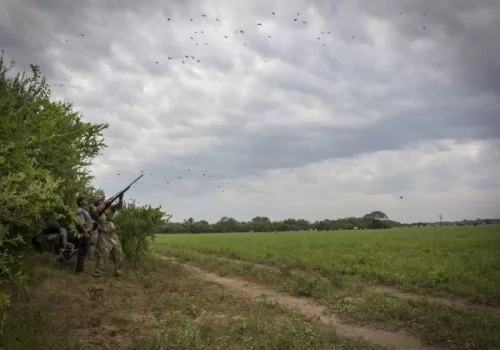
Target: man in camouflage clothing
x,y
108,241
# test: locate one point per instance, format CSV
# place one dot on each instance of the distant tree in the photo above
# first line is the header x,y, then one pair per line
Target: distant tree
x,y
376,220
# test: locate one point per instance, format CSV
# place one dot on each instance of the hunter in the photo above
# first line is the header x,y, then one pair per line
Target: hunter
x,y
108,242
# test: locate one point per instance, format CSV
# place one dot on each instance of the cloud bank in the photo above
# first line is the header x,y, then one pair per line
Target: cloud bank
x,y
337,113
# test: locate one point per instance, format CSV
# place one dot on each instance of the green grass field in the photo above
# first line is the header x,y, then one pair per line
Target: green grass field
x,y
374,268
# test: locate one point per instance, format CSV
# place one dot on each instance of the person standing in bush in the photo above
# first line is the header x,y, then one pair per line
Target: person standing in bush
x,y
85,227
108,241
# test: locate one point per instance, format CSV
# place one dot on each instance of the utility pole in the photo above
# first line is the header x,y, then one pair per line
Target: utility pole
x,y
440,216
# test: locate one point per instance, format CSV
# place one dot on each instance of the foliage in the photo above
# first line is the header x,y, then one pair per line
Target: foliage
x,y
264,224
136,227
44,154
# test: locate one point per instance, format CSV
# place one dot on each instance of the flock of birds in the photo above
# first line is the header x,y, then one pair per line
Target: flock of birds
x,y
197,38
221,187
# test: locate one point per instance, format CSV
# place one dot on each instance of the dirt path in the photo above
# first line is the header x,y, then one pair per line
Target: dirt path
x,y
458,303
309,307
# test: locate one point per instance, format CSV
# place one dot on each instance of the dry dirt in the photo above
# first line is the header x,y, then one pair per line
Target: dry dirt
x,y
245,289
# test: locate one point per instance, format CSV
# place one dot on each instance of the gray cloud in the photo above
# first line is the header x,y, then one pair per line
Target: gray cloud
x,y
254,104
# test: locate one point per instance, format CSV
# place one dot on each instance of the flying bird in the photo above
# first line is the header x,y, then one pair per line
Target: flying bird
x,y
169,58
82,35
295,19
191,20
298,14
217,19
203,15
304,22
183,62
273,13
225,36
259,24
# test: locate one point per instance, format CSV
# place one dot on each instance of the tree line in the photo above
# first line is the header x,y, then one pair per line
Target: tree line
x,y
263,224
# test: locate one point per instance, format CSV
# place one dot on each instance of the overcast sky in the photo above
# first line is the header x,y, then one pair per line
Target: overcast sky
x,y
364,103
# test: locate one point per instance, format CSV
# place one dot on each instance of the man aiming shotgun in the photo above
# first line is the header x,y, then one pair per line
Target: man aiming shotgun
x,y
108,242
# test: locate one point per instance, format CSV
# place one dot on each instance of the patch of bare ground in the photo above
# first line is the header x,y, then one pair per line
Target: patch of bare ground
x,y
245,289
455,302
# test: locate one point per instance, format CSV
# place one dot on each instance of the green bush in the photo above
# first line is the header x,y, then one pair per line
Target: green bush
x,y
136,227
44,154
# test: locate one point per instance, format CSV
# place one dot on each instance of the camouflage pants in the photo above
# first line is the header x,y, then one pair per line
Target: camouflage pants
x,y
108,244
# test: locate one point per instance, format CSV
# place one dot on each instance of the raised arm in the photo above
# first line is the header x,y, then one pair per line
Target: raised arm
x,y
118,205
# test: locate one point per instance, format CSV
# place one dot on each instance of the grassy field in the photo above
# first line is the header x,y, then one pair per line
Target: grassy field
x,y
380,278
160,306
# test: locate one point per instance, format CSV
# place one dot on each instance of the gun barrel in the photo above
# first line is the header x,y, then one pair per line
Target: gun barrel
x,y
112,199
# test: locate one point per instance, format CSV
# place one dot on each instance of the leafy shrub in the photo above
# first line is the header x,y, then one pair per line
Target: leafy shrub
x,y
136,227
45,149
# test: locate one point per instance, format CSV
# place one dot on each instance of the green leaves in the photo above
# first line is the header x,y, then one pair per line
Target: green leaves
x,y
136,227
44,154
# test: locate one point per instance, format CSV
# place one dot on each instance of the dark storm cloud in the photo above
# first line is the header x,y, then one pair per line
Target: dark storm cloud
x,y
413,84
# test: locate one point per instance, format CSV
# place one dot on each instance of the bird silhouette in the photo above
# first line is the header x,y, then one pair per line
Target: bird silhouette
x,y
203,15
217,19
259,24
304,22
169,58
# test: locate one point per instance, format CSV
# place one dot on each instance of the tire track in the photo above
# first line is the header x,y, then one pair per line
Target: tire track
x,y
245,289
